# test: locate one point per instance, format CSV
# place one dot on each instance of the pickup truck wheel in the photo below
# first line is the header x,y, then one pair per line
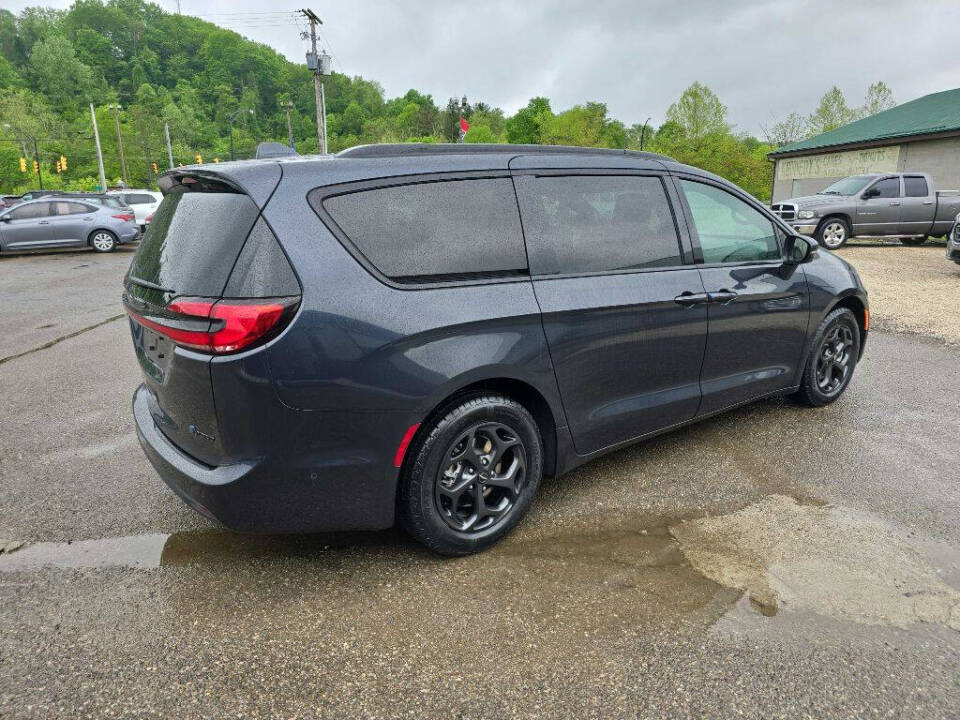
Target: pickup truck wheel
x,y
833,233
914,240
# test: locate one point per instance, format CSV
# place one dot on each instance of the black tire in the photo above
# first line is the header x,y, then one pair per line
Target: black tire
x,y
913,241
840,326
103,241
429,505
833,232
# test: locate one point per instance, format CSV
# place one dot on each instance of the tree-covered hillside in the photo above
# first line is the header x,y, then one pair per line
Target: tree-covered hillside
x,y
180,70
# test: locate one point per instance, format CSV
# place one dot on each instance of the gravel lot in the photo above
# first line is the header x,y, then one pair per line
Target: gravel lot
x,y
774,562
912,289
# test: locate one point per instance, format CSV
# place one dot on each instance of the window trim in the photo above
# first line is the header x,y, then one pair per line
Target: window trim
x,y
744,197
683,239
316,197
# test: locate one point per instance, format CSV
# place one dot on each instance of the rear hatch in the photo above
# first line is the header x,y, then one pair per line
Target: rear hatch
x,y
208,279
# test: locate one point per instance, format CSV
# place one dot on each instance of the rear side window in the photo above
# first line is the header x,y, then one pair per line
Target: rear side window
x,y
70,208
915,186
589,223
434,230
193,241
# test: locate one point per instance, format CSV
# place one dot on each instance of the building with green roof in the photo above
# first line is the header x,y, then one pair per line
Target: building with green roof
x,y
922,135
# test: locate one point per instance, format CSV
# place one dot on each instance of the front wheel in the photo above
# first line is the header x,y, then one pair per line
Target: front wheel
x,y
473,475
103,241
832,360
833,233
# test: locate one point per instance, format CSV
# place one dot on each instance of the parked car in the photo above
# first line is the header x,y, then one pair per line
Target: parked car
x,y
59,222
143,202
953,241
904,205
7,201
421,332
35,194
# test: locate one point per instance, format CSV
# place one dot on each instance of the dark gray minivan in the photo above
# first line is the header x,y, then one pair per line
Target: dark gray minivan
x,y
420,333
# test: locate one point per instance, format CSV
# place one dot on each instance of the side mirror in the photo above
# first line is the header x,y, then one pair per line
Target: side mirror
x,y
799,249
5,218
870,193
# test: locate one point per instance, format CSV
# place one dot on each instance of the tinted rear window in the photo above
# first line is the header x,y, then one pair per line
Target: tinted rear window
x,y
915,186
589,223
434,230
138,199
193,241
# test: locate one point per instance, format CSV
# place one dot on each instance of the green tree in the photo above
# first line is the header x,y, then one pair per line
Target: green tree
x,y
879,98
699,112
831,113
524,126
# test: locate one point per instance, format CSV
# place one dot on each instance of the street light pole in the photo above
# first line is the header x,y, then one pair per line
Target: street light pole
x,y
36,159
166,131
123,160
96,138
287,107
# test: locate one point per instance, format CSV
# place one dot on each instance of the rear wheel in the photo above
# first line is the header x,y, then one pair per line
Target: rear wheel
x,y
834,355
833,233
914,240
103,241
473,476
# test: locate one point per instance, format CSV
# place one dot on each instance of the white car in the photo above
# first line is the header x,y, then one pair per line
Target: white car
x,y
143,203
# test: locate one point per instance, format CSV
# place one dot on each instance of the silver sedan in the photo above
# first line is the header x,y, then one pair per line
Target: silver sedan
x,y
63,222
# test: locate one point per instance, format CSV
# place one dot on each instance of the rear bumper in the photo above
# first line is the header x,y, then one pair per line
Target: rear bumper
x,y
130,234
261,496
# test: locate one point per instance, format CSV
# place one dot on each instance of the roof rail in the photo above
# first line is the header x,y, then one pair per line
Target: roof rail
x,y
400,149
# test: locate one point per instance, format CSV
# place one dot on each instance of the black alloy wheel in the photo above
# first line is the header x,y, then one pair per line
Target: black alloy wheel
x,y
834,359
470,474
481,477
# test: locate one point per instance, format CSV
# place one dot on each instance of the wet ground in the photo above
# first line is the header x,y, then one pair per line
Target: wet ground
x,y
774,562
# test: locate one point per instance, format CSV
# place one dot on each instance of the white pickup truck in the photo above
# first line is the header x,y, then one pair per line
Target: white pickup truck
x,y
904,205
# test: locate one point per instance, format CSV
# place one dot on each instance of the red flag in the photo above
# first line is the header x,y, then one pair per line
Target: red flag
x,y
464,126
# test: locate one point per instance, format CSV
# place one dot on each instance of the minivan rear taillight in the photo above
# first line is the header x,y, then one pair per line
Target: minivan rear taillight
x,y
220,326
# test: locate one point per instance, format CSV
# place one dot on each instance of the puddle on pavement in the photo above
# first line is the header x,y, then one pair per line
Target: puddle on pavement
x,y
774,556
827,560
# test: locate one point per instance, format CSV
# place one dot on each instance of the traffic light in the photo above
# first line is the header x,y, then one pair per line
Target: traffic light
x,y
23,164
216,159
199,159
59,170
154,167
63,163
36,167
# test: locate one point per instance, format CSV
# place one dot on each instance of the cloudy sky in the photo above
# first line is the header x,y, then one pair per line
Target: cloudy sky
x,y
764,59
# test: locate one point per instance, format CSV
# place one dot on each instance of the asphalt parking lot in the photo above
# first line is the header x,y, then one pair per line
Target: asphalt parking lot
x,y
773,562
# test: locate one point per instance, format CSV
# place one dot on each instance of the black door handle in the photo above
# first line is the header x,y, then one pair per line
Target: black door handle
x,y
722,296
689,299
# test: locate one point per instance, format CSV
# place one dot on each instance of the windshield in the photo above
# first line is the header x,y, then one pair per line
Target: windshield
x,y
848,186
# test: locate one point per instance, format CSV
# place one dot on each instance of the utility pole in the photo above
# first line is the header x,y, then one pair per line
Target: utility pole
x,y
166,131
123,160
96,138
315,63
287,107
